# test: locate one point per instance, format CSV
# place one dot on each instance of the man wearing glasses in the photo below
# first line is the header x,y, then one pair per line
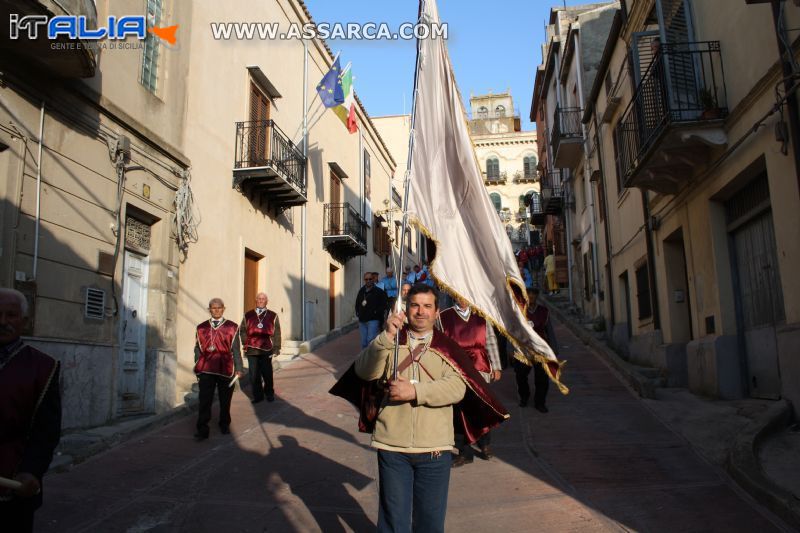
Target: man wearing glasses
x,y
371,301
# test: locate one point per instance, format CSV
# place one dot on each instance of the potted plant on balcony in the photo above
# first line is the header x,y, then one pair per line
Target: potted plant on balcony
x,y
708,100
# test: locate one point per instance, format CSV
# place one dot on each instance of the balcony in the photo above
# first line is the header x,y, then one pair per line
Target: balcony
x,y
522,215
675,118
566,139
396,198
525,177
505,216
536,214
344,234
62,56
268,164
498,178
553,193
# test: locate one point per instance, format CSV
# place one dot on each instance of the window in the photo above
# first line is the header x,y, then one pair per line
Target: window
x,y
367,176
380,236
483,112
497,201
493,168
500,111
529,167
522,202
536,201
643,291
149,74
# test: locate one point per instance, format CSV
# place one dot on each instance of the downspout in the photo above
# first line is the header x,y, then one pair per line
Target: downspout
x,y
567,221
651,261
361,198
586,168
38,193
303,211
599,143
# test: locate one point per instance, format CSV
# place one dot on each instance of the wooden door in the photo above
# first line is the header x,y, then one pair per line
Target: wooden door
x,y
258,137
337,213
250,280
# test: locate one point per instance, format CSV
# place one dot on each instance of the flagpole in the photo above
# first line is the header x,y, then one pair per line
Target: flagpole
x,y
407,189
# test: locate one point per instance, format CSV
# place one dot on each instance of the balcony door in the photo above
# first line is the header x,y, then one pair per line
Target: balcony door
x,y
681,65
258,138
337,210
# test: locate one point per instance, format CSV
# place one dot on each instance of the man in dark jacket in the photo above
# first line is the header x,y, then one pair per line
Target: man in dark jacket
x,y
370,304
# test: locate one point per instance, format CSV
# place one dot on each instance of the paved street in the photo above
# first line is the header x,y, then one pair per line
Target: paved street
x,y
599,461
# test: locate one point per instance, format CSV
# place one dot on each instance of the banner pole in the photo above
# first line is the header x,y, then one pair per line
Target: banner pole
x,y
407,189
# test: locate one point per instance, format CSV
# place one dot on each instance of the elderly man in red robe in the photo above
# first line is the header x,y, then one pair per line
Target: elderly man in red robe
x,y
260,334
30,416
217,359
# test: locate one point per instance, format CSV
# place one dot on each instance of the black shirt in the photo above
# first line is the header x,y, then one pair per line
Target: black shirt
x,y
376,304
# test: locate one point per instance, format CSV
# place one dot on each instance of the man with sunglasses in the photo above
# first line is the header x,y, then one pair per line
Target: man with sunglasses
x,y
371,301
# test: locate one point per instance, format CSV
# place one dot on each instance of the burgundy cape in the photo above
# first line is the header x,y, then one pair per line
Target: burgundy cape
x,y
476,414
24,380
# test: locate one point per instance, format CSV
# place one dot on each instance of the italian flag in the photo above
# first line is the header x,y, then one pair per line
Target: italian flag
x,y
346,111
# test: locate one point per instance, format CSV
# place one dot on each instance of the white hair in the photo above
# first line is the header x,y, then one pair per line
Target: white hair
x,y
21,300
217,301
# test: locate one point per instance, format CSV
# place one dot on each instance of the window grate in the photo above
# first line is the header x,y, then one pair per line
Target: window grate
x,y
95,303
137,234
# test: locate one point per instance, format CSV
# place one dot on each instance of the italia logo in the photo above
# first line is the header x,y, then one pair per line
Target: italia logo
x,y
77,27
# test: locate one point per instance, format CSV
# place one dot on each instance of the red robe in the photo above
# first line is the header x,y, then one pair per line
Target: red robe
x,y
260,338
216,348
24,380
470,334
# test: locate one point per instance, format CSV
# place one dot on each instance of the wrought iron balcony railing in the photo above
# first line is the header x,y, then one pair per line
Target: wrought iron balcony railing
x,y
552,191
683,85
344,228
262,144
566,127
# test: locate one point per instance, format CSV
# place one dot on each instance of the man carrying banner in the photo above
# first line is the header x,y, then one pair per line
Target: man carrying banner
x,y
413,429
260,336
217,359
477,338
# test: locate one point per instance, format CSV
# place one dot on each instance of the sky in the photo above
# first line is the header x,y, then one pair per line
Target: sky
x,y
494,46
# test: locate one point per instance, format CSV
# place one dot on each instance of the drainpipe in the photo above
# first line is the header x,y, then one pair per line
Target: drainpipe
x,y
566,192
586,168
361,198
603,200
38,193
303,211
651,261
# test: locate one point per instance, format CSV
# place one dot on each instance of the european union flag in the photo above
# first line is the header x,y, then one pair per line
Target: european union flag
x,y
330,88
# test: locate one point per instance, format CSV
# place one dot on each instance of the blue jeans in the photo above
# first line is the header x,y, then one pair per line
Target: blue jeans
x,y
369,330
413,491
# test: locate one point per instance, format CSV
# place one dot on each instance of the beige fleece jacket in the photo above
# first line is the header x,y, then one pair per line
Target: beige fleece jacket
x,y
426,424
